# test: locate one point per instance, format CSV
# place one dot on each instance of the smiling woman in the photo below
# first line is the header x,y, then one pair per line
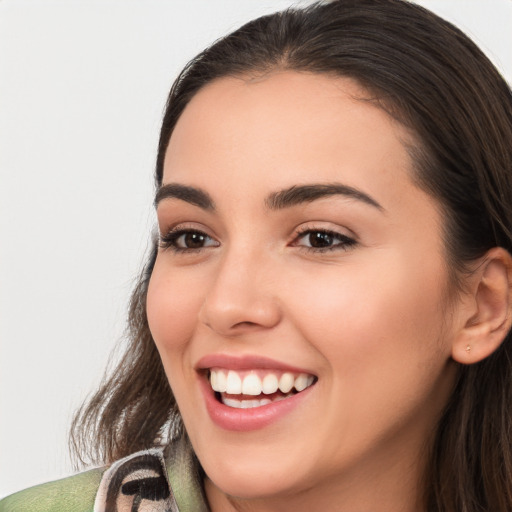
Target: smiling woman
x,y
275,289
323,322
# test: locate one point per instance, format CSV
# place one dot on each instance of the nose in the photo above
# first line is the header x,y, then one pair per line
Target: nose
x,y
242,297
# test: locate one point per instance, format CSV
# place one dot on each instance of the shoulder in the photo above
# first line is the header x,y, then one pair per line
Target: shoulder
x,y
155,480
73,494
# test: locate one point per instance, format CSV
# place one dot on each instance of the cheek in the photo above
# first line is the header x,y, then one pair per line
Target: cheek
x,y
383,346
172,309
364,315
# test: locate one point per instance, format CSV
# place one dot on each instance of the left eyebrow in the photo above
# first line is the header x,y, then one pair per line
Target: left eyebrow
x,y
299,194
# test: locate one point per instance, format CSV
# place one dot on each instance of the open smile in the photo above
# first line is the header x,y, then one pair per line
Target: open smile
x,y
247,389
251,392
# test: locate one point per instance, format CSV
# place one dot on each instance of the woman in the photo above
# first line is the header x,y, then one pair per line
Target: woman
x,y
323,322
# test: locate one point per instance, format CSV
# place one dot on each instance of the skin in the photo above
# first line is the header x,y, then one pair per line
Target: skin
x,y
370,319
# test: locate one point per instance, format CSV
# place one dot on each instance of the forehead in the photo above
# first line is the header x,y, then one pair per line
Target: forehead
x,y
286,128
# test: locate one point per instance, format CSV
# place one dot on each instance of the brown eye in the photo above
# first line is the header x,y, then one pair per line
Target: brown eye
x,y
187,240
191,240
321,240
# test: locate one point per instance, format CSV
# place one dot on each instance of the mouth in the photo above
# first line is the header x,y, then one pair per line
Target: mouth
x,y
246,393
250,389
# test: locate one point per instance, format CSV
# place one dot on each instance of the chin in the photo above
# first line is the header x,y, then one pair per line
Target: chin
x,y
251,487
247,478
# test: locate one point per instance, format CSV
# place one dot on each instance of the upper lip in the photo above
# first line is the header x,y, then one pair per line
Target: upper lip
x,y
245,362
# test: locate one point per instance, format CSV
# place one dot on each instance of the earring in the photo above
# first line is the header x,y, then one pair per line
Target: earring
x,y
468,349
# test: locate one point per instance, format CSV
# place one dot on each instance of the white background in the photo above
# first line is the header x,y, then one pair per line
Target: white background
x,y
82,89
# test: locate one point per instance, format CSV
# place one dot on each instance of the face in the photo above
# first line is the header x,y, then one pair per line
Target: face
x,y
303,273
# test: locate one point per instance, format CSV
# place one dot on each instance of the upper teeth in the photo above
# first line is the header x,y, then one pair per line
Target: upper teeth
x,y
235,383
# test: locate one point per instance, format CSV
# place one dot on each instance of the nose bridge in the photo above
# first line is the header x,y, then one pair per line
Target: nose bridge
x,y
240,294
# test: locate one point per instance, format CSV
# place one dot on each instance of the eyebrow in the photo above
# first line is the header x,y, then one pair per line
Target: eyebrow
x,y
299,194
191,195
286,198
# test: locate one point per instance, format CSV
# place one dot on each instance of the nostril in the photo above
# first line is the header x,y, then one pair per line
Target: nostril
x,y
245,324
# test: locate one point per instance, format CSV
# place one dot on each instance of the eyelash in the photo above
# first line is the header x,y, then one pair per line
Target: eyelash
x,y
344,242
169,241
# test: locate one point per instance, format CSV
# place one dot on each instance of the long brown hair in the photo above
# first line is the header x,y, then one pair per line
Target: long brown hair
x,y
429,76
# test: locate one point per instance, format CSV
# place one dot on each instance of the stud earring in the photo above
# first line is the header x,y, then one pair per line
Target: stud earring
x,y
468,349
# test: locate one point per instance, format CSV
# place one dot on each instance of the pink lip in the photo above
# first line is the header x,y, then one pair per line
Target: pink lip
x,y
244,420
247,362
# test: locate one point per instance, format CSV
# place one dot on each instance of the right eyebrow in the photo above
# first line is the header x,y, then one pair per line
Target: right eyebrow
x,y
191,195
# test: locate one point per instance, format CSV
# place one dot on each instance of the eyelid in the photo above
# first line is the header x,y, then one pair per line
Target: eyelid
x,y
325,226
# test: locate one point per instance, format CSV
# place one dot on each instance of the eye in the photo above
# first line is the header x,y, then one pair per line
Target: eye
x,y
323,240
187,240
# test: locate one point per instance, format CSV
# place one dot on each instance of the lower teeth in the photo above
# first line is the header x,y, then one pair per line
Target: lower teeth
x,y
250,404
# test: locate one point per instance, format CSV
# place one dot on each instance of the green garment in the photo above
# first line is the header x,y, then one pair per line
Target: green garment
x,y
158,480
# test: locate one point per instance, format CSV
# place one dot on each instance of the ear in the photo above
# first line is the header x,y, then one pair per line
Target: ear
x,y
488,312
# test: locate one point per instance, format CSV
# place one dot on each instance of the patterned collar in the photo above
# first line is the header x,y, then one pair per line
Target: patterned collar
x,y
166,479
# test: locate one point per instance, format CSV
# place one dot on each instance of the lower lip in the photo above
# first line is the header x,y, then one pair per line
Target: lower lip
x,y
244,420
